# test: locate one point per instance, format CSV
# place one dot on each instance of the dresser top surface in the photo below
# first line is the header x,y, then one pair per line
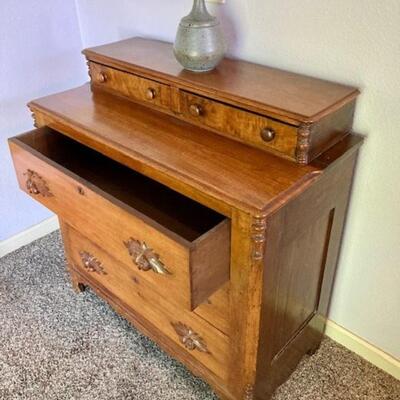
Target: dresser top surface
x,y
171,151
270,90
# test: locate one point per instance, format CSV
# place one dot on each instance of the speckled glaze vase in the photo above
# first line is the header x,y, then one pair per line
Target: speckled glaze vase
x,y
199,44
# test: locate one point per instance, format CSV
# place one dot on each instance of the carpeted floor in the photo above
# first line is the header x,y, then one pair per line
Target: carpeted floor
x,y
56,344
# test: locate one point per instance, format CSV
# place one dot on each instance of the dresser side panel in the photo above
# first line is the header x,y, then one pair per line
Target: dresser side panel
x,y
302,248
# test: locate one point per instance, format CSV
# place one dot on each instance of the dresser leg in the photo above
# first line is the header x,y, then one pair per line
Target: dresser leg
x,y
78,286
313,350
247,254
76,282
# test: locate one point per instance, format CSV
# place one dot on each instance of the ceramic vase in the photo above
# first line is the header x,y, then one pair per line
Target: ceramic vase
x,y
199,44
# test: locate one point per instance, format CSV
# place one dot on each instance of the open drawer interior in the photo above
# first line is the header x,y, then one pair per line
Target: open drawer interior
x,y
174,211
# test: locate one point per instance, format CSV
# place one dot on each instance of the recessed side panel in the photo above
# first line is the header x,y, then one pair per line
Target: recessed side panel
x,y
303,241
298,279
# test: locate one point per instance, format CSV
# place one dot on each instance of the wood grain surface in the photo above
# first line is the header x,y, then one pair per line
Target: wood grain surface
x,y
265,89
240,124
132,86
209,168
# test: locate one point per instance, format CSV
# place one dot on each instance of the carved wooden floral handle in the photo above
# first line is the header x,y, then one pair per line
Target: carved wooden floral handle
x,y
190,339
91,263
36,185
144,257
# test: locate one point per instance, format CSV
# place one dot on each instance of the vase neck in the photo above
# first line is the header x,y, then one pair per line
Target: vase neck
x,y
199,9
199,17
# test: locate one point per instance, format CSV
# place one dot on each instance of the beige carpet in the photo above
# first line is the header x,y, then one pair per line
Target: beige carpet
x,y
59,345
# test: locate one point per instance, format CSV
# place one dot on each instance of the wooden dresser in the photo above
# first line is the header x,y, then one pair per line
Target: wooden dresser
x,y
207,209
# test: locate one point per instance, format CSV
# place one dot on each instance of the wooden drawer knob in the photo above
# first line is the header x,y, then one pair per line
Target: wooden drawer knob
x,y
36,185
196,110
150,94
102,77
190,339
268,134
144,257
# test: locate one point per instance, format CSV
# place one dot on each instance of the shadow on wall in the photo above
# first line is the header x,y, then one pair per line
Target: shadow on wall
x,y
223,13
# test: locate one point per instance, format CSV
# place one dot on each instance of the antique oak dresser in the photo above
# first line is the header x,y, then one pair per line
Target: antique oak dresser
x,y
207,209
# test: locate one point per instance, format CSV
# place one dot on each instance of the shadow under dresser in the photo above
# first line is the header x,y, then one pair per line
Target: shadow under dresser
x,y
207,209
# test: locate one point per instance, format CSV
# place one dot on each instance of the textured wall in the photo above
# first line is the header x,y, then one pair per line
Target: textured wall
x,y
347,41
39,54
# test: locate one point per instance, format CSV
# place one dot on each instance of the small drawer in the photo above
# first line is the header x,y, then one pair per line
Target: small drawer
x,y
256,130
125,287
177,245
129,85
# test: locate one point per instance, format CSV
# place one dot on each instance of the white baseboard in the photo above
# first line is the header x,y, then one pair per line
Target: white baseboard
x,y
364,349
35,232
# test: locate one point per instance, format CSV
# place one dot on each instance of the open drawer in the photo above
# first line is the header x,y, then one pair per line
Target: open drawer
x,y
181,248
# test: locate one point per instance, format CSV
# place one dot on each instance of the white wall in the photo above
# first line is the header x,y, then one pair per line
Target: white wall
x,y
39,54
349,41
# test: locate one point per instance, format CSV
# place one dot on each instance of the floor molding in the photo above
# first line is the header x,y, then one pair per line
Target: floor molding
x,y
29,235
364,349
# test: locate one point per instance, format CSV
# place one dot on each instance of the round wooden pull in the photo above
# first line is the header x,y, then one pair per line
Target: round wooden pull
x,y
150,94
195,110
268,134
102,77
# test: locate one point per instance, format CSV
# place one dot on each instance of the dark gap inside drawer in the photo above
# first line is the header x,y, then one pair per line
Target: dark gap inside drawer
x,y
174,211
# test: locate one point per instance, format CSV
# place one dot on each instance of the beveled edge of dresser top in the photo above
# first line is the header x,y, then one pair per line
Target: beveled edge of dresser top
x,y
288,96
107,123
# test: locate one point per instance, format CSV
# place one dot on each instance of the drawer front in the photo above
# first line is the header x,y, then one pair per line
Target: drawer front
x,y
216,309
256,130
186,273
129,85
199,339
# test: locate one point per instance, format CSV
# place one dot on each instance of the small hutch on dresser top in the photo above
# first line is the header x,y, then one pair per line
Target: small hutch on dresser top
x,y
208,209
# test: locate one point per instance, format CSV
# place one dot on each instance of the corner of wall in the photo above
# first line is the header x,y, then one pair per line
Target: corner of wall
x,y
79,19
